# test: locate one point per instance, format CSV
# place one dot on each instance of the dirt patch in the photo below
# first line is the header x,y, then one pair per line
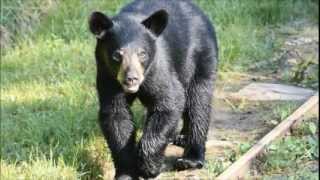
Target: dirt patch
x,y
236,125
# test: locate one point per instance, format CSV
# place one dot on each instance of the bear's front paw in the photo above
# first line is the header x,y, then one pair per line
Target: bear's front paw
x,y
150,173
126,176
149,170
185,163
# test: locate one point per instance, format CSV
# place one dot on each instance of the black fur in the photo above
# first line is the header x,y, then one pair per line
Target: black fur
x,y
179,76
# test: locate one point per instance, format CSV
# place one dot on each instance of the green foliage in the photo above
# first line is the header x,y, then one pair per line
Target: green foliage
x,y
215,167
259,13
244,27
283,110
243,148
38,168
233,154
138,114
73,24
306,128
292,154
20,17
305,73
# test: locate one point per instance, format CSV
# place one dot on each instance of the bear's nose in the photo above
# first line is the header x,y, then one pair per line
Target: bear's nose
x,y
131,80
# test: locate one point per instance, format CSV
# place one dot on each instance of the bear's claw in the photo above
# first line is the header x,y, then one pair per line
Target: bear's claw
x,y
184,163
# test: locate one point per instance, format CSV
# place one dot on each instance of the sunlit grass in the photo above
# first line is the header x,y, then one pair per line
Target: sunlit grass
x,y
293,156
38,168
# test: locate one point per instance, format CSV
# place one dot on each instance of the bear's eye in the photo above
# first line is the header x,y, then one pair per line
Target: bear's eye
x,y
117,56
142,55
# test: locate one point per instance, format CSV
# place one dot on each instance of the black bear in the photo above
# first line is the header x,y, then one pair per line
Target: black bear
x,y
163,52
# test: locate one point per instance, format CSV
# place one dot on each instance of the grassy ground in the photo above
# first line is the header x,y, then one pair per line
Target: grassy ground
x,y
48,98
293,157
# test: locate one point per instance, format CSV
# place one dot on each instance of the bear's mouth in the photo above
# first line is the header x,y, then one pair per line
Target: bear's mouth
x,y
132,84
131,88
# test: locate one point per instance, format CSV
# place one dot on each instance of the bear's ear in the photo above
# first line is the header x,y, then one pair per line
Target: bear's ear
x,y
157,22
99,24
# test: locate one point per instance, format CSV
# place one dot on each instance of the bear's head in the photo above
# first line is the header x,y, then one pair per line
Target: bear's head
x,y
127,46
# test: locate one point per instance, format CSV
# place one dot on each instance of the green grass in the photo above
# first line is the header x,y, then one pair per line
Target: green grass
x,y
293,156
282,110
48,98
246,30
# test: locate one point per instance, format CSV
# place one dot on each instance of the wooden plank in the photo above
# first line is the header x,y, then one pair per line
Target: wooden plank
x,y
233,172
314,112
